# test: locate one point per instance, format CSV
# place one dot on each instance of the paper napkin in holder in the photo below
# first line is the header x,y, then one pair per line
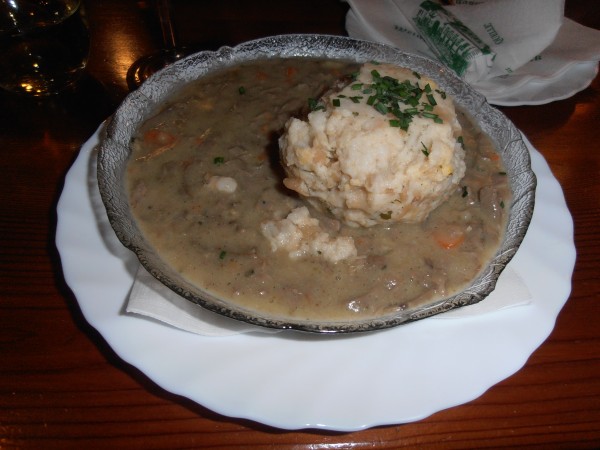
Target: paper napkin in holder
x,y
152,299
526,68
479,39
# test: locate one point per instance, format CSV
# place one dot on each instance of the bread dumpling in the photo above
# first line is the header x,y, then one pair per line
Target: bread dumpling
x,y
383,148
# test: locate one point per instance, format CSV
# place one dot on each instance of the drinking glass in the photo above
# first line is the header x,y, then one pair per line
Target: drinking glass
x,y
44,46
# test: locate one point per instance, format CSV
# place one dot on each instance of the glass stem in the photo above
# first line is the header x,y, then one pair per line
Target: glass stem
x,y
166,26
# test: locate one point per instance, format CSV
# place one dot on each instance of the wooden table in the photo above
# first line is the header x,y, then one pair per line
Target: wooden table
x,y
61,385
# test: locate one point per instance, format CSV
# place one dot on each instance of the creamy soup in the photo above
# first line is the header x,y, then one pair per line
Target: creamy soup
x,y
204,174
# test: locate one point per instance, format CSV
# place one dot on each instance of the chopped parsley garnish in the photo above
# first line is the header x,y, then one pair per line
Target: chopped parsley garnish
x,y
425,150
218,160
314,105
223,254
433,116
402,99
242,90
387,95
461,141
382,108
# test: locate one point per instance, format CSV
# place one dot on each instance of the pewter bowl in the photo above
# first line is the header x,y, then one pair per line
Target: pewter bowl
x,y
115,150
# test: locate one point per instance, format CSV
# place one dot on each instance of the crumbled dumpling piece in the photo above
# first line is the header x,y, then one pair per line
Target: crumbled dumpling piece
x,y
227,185
300,235
369,160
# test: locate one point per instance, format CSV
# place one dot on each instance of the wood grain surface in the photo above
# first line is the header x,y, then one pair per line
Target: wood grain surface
x,y
62,386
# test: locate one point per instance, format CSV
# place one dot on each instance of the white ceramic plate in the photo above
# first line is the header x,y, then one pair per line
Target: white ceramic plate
x,y
294,380
539,91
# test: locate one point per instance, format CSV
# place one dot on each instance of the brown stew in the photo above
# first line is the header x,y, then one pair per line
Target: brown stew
x,y
204,174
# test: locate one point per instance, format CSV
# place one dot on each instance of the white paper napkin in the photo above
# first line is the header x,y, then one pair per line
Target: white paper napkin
x,y
152,299
529,39
509,32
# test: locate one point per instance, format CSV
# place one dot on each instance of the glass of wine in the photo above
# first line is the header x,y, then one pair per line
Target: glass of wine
x,y
147,65
43,46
